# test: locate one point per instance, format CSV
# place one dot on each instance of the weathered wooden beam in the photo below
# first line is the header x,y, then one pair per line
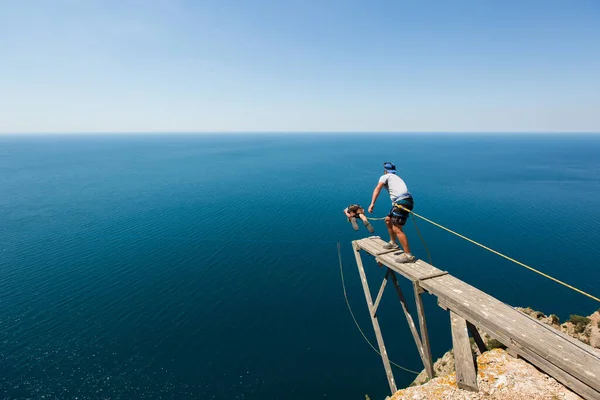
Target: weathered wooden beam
x,y
411,323
434,275
423,328
476,337
541,361
512,352
466,376
372,247
382,350
570,359
380,294
442,305
593,351
559,374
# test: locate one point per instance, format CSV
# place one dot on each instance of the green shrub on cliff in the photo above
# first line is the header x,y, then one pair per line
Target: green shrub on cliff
x,y
580,322
495,344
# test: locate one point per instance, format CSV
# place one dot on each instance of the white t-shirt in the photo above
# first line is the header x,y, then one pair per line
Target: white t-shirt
x,y
394,185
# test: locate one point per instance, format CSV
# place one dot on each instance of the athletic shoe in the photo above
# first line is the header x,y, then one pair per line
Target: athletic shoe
x,y
405,258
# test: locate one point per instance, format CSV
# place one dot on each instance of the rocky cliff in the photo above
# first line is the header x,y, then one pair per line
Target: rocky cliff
x,y
499,376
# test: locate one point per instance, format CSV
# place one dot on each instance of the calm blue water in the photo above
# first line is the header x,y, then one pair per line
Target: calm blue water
x,y
179,267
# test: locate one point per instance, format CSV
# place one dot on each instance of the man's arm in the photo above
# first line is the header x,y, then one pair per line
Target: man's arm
x,y
375,195
346,212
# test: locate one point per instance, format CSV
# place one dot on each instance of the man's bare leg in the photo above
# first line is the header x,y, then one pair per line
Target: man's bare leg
x,y
366,222
390,228
402,238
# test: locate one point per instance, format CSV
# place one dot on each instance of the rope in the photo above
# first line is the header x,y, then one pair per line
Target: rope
x,y
422,238
354,318
503,255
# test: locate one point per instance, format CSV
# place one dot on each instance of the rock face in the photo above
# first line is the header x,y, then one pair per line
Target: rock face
x,y
499,376
445,365
595,330
551,320
442,367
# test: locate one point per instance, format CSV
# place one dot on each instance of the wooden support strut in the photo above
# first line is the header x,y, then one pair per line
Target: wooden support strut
x,y
466,377
411,323
382,350
423,328
380,294
476,337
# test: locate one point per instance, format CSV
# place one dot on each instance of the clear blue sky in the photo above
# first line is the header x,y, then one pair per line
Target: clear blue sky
x,y
276,65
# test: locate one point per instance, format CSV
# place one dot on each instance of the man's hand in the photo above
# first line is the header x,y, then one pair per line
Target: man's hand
x,y
371,207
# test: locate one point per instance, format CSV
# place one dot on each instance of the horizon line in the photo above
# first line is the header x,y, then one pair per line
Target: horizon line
x,y
228,132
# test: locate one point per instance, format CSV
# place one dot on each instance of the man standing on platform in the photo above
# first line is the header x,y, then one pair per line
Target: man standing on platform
x,y
397,217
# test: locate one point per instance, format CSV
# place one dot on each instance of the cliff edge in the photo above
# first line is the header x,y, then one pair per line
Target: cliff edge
x,y
499,376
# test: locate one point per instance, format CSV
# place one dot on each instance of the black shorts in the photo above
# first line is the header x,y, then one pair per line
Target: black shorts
x,y
399,216
354,208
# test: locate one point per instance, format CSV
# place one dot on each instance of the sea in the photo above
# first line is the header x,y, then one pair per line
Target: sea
x,y
205,266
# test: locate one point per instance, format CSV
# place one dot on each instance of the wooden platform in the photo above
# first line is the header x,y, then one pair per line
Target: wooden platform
x,y
569,361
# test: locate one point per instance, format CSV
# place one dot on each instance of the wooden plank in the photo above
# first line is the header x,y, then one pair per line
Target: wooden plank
x,y
423,329
370,245
518,327
410,272
374,246
476,337
572,359
413,271
433,275
512,352
519,321
568,357
466,376
515,320
411,323
442,305
382,350
540,361
594,352
419,267
380,294
560,375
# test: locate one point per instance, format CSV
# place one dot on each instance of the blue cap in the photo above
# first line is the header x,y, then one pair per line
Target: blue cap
x,y
389,167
